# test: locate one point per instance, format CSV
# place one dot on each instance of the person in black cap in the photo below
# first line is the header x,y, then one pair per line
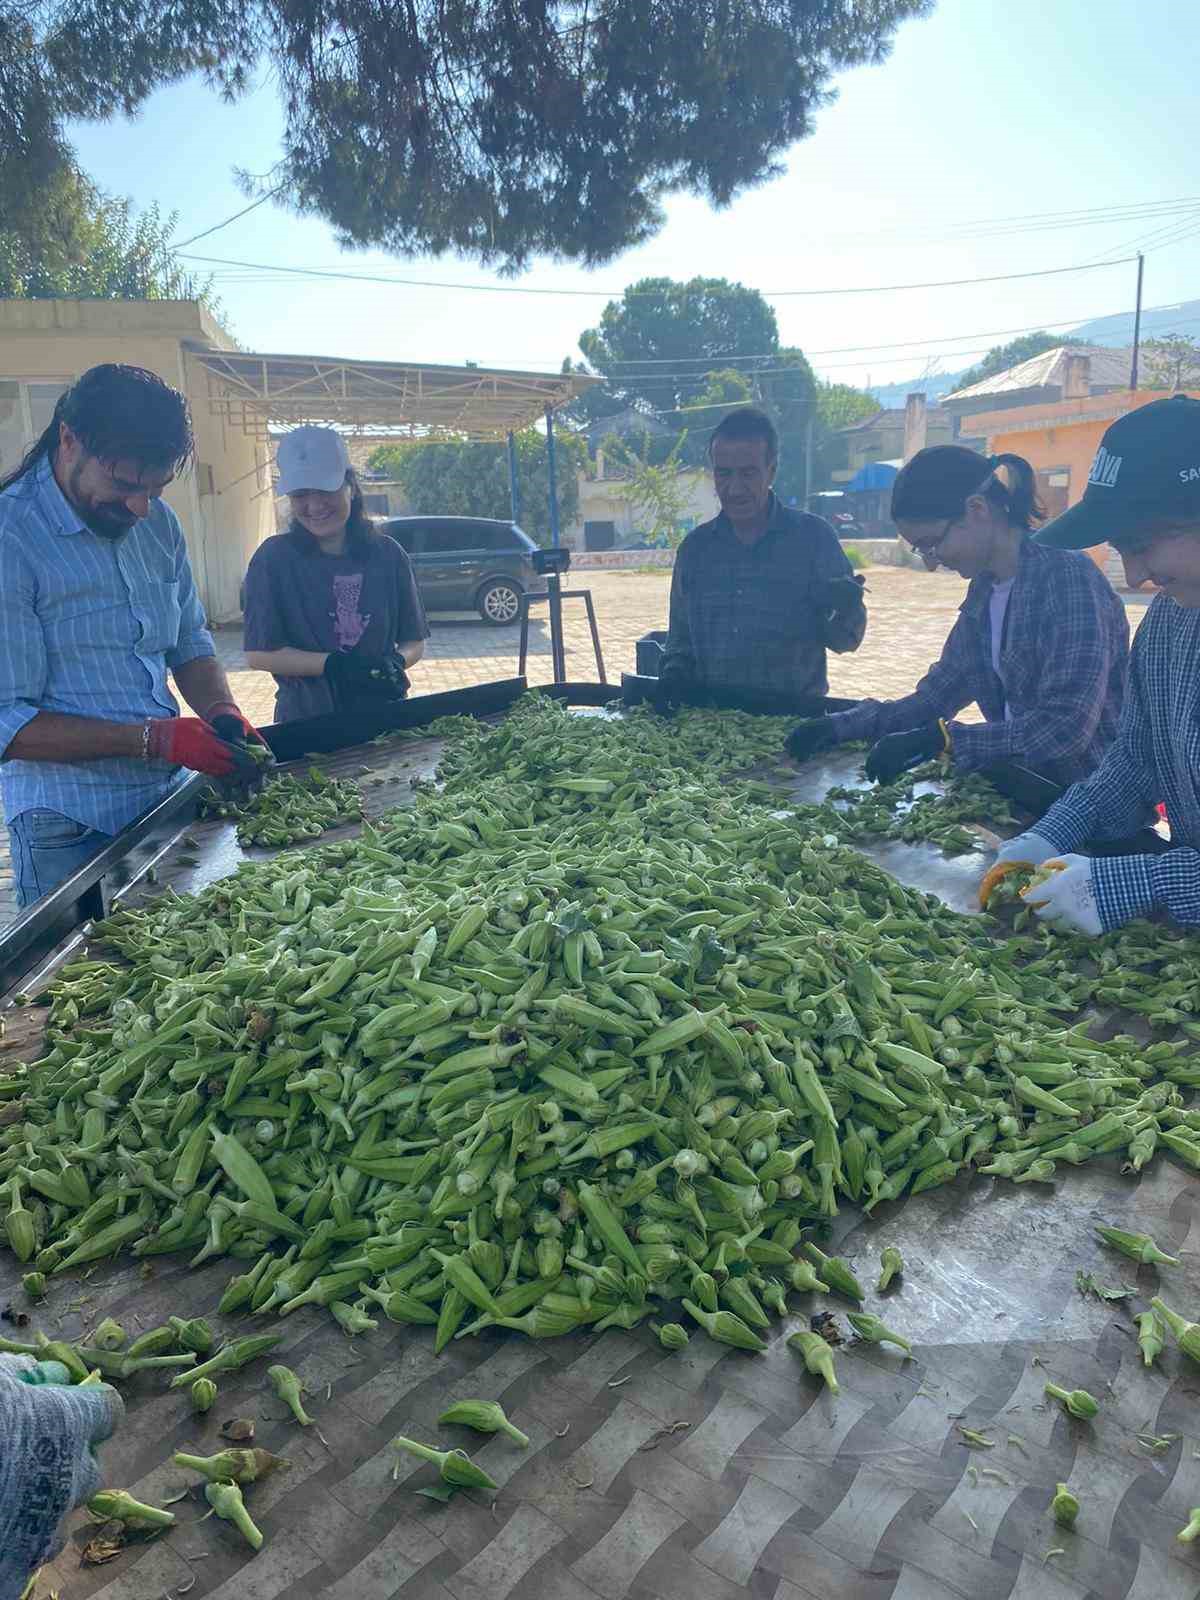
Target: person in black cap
x,y
1142,497
1041,643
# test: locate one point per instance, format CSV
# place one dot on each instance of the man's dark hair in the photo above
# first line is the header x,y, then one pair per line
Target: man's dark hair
x,y
749,423
118,413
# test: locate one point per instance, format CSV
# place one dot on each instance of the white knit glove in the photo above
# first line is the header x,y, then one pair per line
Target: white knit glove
x,y
1029,847
1067,898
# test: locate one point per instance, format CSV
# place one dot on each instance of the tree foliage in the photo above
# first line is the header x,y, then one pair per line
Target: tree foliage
x,y
1002,356
669,347
1171,362
450,478
499,129
81,244
655,489
840,404
660,342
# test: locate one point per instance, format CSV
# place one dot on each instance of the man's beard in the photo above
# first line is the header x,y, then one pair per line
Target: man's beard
x,y
106,521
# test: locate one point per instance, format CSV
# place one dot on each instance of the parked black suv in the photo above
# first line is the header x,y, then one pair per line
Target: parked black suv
x,y
468,563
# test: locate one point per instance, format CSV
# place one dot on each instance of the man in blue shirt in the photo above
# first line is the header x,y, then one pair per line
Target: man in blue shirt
x,y
761,592
1143,497
97,602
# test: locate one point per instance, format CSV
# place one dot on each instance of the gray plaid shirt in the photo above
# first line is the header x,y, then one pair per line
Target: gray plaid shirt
x,y
743,616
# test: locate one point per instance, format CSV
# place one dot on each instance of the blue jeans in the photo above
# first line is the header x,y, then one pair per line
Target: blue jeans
x,y
48,847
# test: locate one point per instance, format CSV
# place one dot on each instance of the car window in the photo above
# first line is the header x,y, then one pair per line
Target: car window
x,y
444,541
401,534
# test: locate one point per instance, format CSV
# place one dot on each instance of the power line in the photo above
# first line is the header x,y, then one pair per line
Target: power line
x,y
858,349
237,215
1147,240
609,294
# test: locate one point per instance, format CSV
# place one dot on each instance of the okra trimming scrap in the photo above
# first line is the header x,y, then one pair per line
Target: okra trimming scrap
x,y
590,1032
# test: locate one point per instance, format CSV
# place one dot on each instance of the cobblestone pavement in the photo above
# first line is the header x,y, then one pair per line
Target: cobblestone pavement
x,y
911,614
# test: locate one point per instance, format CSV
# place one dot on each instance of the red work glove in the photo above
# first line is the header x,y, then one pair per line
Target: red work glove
x,y
189,742
231,725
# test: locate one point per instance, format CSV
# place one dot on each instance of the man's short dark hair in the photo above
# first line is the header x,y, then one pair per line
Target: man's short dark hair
x,y
747,424
119,413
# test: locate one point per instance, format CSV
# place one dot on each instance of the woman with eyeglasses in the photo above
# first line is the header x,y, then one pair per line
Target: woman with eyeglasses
x,y
1041,643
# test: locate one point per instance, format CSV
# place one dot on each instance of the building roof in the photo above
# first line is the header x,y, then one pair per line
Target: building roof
x,y
257,390
870,422
1109,370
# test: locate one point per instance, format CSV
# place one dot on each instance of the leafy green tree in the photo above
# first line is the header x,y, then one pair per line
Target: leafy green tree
x,y
669,347
86,245
655,489
1171,362
1002,356
500,130
453,478
658,344
840,404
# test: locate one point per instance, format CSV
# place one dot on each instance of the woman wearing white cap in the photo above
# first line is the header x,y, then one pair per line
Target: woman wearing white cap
x,y
331,606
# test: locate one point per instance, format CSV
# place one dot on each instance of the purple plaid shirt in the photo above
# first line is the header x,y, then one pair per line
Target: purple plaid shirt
x,y
1063,666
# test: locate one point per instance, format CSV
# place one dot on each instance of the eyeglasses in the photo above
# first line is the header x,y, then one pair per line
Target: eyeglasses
x,y
929,549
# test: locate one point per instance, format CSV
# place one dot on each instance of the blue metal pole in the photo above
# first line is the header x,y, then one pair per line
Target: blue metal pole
x,y
514,487
552,475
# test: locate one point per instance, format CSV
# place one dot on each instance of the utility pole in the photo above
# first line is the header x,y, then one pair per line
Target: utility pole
x,y
1137,324
808,450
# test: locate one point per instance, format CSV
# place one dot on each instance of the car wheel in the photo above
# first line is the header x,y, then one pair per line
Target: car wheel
x,y
499,602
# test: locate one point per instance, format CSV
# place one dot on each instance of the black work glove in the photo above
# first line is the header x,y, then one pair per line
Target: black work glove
x,y
353,677
676,676
233,728
896,752
810,738
837,597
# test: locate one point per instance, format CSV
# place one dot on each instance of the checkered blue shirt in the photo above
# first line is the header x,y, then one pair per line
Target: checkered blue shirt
x,y
1156,758
1056,702
89,627
742,616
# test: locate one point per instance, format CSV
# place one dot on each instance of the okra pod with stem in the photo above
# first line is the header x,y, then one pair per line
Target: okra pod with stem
x,y
230,1357
818,1357
485,1416
226,1500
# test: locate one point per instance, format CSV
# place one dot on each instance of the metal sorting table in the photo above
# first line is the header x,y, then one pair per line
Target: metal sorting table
x,y
709,1474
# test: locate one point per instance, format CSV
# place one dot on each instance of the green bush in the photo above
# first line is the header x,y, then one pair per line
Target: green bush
x,y
854,556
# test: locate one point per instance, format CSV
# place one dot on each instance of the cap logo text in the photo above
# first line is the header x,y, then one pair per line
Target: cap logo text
x,y
1105,468
1189,474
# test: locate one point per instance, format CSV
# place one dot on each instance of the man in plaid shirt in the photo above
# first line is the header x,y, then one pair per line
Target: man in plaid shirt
x,y
1041,643
761,592
1143,496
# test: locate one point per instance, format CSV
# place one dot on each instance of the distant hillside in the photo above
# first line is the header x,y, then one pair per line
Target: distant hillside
x,y
1113,331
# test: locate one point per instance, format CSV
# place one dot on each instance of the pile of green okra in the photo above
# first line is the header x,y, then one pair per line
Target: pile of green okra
x,y
590,1030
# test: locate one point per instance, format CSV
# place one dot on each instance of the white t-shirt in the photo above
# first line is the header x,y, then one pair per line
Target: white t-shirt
x,y
997,611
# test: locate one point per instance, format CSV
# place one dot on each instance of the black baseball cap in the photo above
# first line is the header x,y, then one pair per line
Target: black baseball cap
x,y
1146,471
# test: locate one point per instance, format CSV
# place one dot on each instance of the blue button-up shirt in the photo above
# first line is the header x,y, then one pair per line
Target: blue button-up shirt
x,y
89,627
1155,758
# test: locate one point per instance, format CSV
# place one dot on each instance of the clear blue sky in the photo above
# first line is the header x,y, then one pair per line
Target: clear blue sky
x,y
982,112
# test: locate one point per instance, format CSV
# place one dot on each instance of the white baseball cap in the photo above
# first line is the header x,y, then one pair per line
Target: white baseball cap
x,y
311,457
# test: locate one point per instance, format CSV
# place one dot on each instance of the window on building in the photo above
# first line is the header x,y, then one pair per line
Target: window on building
x,y
376,505
26,408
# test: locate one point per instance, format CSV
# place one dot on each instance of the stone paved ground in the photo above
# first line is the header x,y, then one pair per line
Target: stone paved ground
x,y
911,613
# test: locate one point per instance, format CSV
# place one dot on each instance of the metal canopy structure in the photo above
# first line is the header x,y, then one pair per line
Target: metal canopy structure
x,y
256,391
